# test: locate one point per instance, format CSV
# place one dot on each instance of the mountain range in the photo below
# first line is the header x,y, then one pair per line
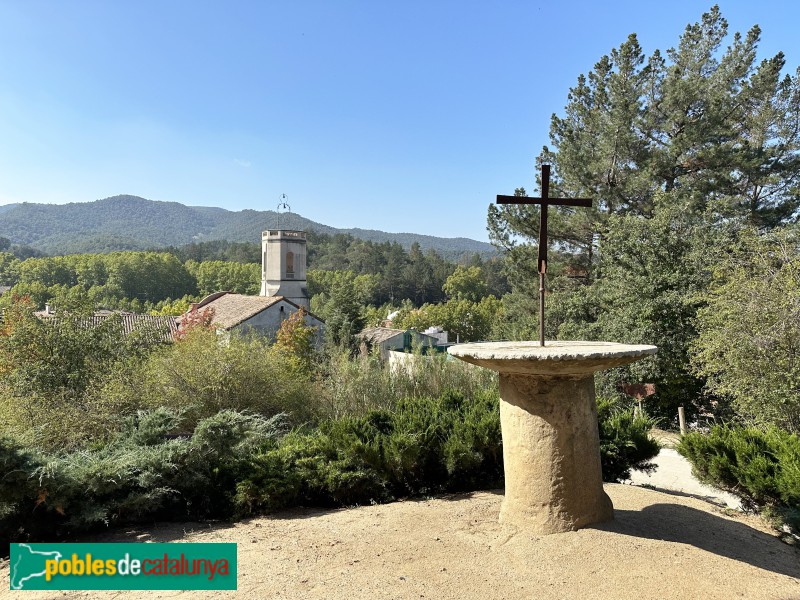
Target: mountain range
x,y
134,223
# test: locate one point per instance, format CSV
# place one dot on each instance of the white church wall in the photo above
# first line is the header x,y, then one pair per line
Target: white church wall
x,y
268,321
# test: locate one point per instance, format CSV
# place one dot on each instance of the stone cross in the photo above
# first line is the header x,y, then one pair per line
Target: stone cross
x,y
544,201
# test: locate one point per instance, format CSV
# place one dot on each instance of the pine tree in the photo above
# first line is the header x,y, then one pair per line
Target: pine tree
x,y
718,132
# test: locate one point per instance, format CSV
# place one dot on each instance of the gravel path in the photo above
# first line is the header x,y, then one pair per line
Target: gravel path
x,y
658,546
674,474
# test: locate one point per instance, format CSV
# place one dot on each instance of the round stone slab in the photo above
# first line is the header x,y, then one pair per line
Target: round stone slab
x,y
556,358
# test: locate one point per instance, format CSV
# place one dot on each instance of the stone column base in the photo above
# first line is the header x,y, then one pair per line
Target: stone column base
x,y
551,452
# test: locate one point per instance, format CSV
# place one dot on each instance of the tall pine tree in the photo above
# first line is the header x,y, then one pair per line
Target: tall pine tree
x,y
711,126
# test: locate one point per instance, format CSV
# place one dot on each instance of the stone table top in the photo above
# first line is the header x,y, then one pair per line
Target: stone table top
x,y
556,358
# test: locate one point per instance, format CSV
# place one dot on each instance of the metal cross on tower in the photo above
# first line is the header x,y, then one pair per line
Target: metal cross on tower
x,y
544,201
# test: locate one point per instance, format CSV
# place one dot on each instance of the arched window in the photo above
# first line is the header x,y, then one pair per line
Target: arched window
x,y
290,264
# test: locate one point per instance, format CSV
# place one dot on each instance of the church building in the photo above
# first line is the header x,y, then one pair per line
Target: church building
x,y
283,290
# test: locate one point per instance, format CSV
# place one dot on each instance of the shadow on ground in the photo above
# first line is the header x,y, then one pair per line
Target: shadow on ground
x,y
709,532
710,499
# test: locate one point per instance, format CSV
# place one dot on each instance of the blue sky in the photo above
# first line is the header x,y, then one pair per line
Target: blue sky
x,y
400,116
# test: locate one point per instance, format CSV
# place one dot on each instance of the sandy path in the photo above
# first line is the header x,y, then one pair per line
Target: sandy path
x,y
658,546
674,473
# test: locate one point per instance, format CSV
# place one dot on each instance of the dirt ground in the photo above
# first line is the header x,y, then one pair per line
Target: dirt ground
x,y
659,546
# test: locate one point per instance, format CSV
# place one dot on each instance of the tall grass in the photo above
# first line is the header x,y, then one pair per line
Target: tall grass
x,y
351,387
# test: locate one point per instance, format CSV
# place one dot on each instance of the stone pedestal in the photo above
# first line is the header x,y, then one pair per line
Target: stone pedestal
x,y
551,446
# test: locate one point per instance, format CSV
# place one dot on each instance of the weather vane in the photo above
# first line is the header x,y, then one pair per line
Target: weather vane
x,y
283,208
544,201
283,204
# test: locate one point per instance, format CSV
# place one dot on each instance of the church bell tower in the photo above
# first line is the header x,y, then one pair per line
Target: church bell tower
x,y
283,265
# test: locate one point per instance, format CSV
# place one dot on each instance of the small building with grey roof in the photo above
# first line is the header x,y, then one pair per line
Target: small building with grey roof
x,y
387,339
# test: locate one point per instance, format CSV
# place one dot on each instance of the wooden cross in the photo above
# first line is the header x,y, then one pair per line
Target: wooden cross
x,y
544,201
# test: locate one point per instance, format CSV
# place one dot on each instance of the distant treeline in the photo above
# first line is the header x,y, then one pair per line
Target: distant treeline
x,y
18,250
153,280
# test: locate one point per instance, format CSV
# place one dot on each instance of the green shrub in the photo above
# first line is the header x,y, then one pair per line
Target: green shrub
x,y
625,441
423,446
54,376
307,469
19,491
203,374
197,377
762,466
139,474
237,463
749,331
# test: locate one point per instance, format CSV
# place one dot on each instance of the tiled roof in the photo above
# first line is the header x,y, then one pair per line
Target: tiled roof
x,y
376,335
232,309
162,327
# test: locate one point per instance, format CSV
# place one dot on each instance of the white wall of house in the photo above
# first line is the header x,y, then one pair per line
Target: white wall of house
x,y
407,361
401,360
269,320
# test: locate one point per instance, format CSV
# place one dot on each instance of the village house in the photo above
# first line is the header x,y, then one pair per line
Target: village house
x,y
387,340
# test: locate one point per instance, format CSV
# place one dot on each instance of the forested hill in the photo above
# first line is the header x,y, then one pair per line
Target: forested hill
x,y
133,223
